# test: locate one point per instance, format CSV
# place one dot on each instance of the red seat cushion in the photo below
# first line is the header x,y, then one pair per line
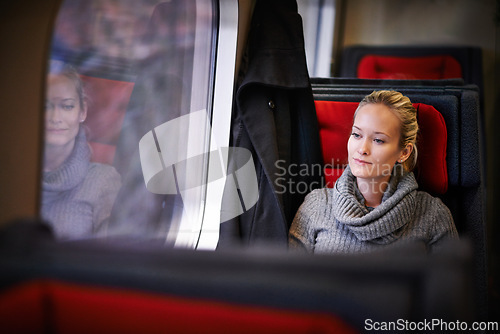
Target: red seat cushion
x,y
430,67
49,306
106,110
23,309
335,124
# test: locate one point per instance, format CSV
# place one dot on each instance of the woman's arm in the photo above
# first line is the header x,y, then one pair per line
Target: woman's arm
x,y
302,234
108,181
444,230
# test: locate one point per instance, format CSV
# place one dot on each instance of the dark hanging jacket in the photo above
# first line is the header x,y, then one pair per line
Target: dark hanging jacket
x,y
274,117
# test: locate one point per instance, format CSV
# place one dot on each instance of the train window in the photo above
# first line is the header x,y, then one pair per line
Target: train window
x,y
138,104
319,17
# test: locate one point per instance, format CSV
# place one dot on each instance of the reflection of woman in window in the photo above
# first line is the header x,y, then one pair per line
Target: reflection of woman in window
x,y
77,194
375,203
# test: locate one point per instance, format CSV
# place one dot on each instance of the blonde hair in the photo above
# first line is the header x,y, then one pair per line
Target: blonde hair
x,y
57,67
402,107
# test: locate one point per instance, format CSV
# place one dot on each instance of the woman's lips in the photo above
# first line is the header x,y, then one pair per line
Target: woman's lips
x,y
361,162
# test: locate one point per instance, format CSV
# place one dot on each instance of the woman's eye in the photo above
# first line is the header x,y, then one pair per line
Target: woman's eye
x,y
68,107
378,141
355,135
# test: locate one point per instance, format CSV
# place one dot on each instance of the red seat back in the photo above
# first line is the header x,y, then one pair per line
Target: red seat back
x,y
108,100
50,306
426,67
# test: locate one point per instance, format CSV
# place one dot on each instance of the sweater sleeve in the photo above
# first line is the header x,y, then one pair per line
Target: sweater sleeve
x,y
108,182
444,229
303,231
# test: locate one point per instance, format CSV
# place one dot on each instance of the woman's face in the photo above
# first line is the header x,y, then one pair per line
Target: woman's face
x,y
63,112
373,147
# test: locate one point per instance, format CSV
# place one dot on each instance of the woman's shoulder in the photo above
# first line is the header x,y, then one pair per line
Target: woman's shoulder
x,y
103,173
97,167
434,215
424,196
312,211
320,194
317,198
99,182
432,205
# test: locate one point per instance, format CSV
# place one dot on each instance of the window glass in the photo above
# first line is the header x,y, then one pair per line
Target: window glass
x,y
128,119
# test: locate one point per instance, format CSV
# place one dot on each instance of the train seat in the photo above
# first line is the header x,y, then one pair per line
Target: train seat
x,y
343,82
335,121
82,308
387,67
459,106
413,62
90,286
460,109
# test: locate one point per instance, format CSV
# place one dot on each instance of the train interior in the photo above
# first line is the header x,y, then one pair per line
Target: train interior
x,y
167,76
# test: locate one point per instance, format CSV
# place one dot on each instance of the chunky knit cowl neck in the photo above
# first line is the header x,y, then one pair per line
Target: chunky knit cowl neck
x,y
73,170
384,223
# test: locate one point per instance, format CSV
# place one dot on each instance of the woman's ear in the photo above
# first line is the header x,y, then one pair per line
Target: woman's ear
x,y
406,152
83,113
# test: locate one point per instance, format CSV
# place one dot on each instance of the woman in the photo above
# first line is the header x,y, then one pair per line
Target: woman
x,y
375,203
77,194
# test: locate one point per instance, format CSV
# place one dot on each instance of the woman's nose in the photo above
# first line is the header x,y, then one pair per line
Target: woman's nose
x,y
52,114
363,148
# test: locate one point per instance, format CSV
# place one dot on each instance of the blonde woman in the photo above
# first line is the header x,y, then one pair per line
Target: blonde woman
x,y
77,194
375,204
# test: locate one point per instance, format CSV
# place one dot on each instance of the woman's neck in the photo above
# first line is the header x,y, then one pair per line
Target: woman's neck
x,y
373,190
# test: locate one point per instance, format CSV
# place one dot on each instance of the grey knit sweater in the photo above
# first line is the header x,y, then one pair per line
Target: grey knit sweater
x,y
337,221
77,197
